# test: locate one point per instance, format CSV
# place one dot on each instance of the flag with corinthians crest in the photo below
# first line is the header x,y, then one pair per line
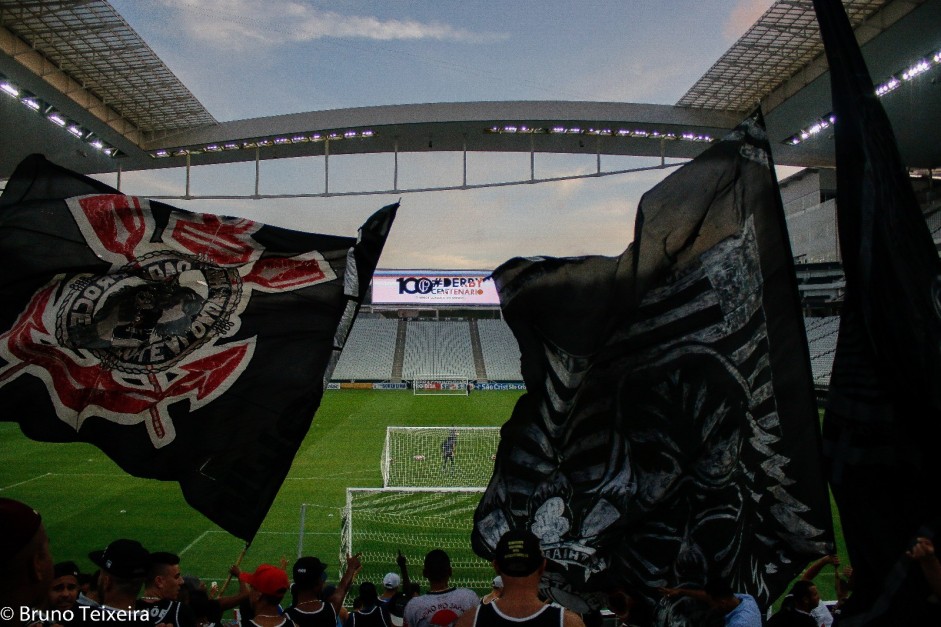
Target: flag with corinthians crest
x,y
187,347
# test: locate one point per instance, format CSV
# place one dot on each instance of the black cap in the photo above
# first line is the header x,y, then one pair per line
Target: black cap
x,y
126,559
65,569
308,571
518,553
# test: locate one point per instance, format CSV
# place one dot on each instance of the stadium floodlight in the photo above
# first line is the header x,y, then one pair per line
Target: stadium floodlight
x,y
56,119
10,89
75,130
919,68
31,103
892,83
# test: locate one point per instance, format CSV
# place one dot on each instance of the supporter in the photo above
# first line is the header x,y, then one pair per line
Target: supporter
x,y
311,608
797,607
495,591
209,611
268,585
26,568
123,565
736,609
63,593
442,605
370,613
519,561
923,553
161,596
391,586
821,613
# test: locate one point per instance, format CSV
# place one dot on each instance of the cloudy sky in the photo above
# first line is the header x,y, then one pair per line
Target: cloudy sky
x,y
245,59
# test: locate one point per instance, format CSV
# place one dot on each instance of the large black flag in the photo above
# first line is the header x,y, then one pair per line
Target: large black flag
x,y
187,347
883,419
669,433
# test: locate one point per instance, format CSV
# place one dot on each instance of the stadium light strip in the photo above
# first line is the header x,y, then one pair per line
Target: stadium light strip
x,y
886,87
522,129
265,142
47,111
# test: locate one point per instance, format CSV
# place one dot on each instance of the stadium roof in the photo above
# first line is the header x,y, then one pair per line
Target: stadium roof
x,y
80,62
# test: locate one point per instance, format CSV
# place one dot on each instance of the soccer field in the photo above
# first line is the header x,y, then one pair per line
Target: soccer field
x,y
87,501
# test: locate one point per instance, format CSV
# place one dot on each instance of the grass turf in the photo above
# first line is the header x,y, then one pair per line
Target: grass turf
x,y
87,501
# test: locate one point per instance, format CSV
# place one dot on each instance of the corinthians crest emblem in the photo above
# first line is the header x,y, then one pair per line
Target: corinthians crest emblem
x,y
152,331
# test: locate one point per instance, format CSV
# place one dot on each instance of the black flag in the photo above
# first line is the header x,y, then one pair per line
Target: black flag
x,y
187,347
884,409
669,434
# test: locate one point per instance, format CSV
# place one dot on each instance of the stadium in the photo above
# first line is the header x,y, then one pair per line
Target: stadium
x,y
406,435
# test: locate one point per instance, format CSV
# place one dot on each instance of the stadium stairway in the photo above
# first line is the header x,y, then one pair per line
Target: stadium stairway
x,y
479,366
398,361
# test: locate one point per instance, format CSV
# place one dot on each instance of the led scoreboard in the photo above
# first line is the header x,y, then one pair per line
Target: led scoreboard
x,y
434,287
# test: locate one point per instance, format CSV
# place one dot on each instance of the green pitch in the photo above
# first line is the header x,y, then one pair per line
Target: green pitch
x,y
87,501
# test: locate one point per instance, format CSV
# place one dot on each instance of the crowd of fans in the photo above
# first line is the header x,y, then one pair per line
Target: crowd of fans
x,y
134,586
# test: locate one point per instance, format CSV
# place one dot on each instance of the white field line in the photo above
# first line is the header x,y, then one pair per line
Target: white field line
x,y
13,485
194,542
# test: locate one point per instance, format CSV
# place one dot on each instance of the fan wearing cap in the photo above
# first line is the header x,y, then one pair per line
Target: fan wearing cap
x,y
123,565
26,568
161,597
519,561
308,609
63,593
268,585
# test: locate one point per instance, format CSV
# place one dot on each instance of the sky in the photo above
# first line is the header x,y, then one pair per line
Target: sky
x,y
244,59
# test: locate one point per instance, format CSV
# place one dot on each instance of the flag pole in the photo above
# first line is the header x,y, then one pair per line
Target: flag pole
x,y
238,562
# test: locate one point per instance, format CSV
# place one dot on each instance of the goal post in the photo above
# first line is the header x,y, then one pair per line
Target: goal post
x,y
441,385
380,522
451,457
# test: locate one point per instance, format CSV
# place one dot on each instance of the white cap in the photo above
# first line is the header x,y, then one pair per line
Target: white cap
x,y
391,581
498,582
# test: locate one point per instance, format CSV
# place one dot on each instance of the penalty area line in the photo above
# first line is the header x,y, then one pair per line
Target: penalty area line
x,y
19,483
196,541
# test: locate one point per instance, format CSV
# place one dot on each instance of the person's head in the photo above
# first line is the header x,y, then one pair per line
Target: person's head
x,y
368,595
804,595
391,583
518,556
123,565
268,584
26,568
720,595
64,589
309,574
437,566
164,578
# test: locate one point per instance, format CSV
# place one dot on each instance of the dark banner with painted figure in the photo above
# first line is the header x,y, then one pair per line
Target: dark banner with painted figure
x,y
188,347
669,434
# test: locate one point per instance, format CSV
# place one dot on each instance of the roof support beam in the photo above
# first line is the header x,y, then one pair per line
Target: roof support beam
x,y
43,68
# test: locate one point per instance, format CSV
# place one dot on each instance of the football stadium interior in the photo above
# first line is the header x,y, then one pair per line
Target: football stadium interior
x,y
71,75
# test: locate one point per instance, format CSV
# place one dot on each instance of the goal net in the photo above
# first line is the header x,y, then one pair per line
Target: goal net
x,y
381,522
452,457
440,385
